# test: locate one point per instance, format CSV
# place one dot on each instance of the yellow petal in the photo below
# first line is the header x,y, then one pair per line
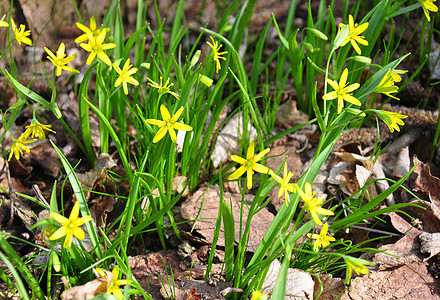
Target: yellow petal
x,y
59,218
160,134
250,151
75,212
165,113
59,233
237,173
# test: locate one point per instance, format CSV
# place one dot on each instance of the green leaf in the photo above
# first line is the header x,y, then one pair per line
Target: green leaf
x,y
229,227
79,194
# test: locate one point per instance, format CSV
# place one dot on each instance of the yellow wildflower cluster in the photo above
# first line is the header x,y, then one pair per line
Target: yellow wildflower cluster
x,y
35,129
250,165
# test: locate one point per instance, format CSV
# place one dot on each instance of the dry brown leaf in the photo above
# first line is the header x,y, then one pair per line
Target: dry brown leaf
x,y
428,216
407,249
328,287
90,289
411,281
425,182
403,163
430,243
289,116
190,209
299,284
352,157
382,185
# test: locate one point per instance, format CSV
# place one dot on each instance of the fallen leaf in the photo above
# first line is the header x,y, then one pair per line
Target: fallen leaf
x,y
428,216
430,243
289,116
327,287
89,290
205,225
411,281
425,182
403,163
404,251
299,284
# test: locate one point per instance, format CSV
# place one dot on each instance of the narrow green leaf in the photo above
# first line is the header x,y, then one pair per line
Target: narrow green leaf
x,y
79,194
229,228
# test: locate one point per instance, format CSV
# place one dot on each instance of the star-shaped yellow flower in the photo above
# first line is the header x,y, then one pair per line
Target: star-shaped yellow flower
x,y
313,204
249,164
354,36
18,146
71,226
60,60
285,186
356,264
3,23
20,34
92,31
113,288
168,124
217,55
96,48
322,240
386,85
125,75
392,119
258,295
428,5
36,129
163,89
342,92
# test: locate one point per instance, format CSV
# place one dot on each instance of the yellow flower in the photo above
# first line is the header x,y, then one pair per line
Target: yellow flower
x,y
96,48
386,85
163,89
258,295
285,186
3,24
60,60
356,264
21,35
92,31
36,129
217,55
392,119
125,76
354,36
322,240
71,226
249,164
113,288
168,124
342,92
313,204
18,146
428,5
